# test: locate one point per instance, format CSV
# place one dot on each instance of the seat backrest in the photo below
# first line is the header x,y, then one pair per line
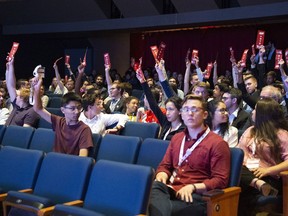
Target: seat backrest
x,y
119,189
96,143
2,131
237,156
43,139
140,129
119,148
17,136
152,152
43,123
63,177
19,168
55,102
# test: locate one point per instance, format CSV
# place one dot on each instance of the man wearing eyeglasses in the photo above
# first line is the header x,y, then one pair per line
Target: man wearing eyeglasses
x,y
197,160
71,135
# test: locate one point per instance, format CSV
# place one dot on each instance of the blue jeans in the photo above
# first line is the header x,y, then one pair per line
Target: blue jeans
x,y
163,202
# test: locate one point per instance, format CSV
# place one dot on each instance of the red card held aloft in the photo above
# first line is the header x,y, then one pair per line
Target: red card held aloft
x,y
161,50
154,50
208,70
194,55
12,52
244,57
260,38
278,57
107,59
67,59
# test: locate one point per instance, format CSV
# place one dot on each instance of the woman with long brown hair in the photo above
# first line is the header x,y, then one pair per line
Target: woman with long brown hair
x,y
265,148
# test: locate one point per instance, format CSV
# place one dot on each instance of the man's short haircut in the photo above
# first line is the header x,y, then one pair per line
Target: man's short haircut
x,y
130,98
119,86
70,96
195,97
236,93
271,73
24,93
200,84
275,92
89,100
20,83
224,87
250,77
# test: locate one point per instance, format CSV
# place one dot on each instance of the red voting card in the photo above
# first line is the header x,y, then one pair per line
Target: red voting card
x,y
154,50
278,57
67,59
194,54
208,69
107,59
260,38
137,65
12,52
244,57
286,56
160,53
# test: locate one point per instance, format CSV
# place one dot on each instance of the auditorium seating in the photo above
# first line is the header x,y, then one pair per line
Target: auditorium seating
x,y
115,189
62,178
142,130
148,152
43,139
119,148
17,136
19,168
151,152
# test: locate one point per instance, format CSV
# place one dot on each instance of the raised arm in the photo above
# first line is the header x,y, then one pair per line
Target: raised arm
x,y
160,68
107,76
58,77
11,80
187,77
37,106
215,76
151,100
78,82
198,69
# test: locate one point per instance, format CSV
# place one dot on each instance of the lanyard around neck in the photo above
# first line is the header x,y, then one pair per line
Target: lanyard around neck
x,y
191,149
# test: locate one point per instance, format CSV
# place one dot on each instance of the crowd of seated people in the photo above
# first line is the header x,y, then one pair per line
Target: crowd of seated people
x,y
104,105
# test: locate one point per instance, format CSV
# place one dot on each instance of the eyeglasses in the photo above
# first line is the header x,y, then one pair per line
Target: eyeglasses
x,y
79,108
222,111
191,109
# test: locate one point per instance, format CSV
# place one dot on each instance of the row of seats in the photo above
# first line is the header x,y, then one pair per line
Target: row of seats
x,y
35,182
140,129
128,149
55,186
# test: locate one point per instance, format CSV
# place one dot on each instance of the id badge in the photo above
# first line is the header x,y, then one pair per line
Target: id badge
x,y
252,163
173,176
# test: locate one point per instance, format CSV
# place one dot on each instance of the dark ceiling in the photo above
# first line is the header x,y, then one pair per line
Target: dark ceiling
x,y
60,16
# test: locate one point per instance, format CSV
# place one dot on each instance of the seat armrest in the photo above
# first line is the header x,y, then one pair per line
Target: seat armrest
x,y
4,195
223,204
75,203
